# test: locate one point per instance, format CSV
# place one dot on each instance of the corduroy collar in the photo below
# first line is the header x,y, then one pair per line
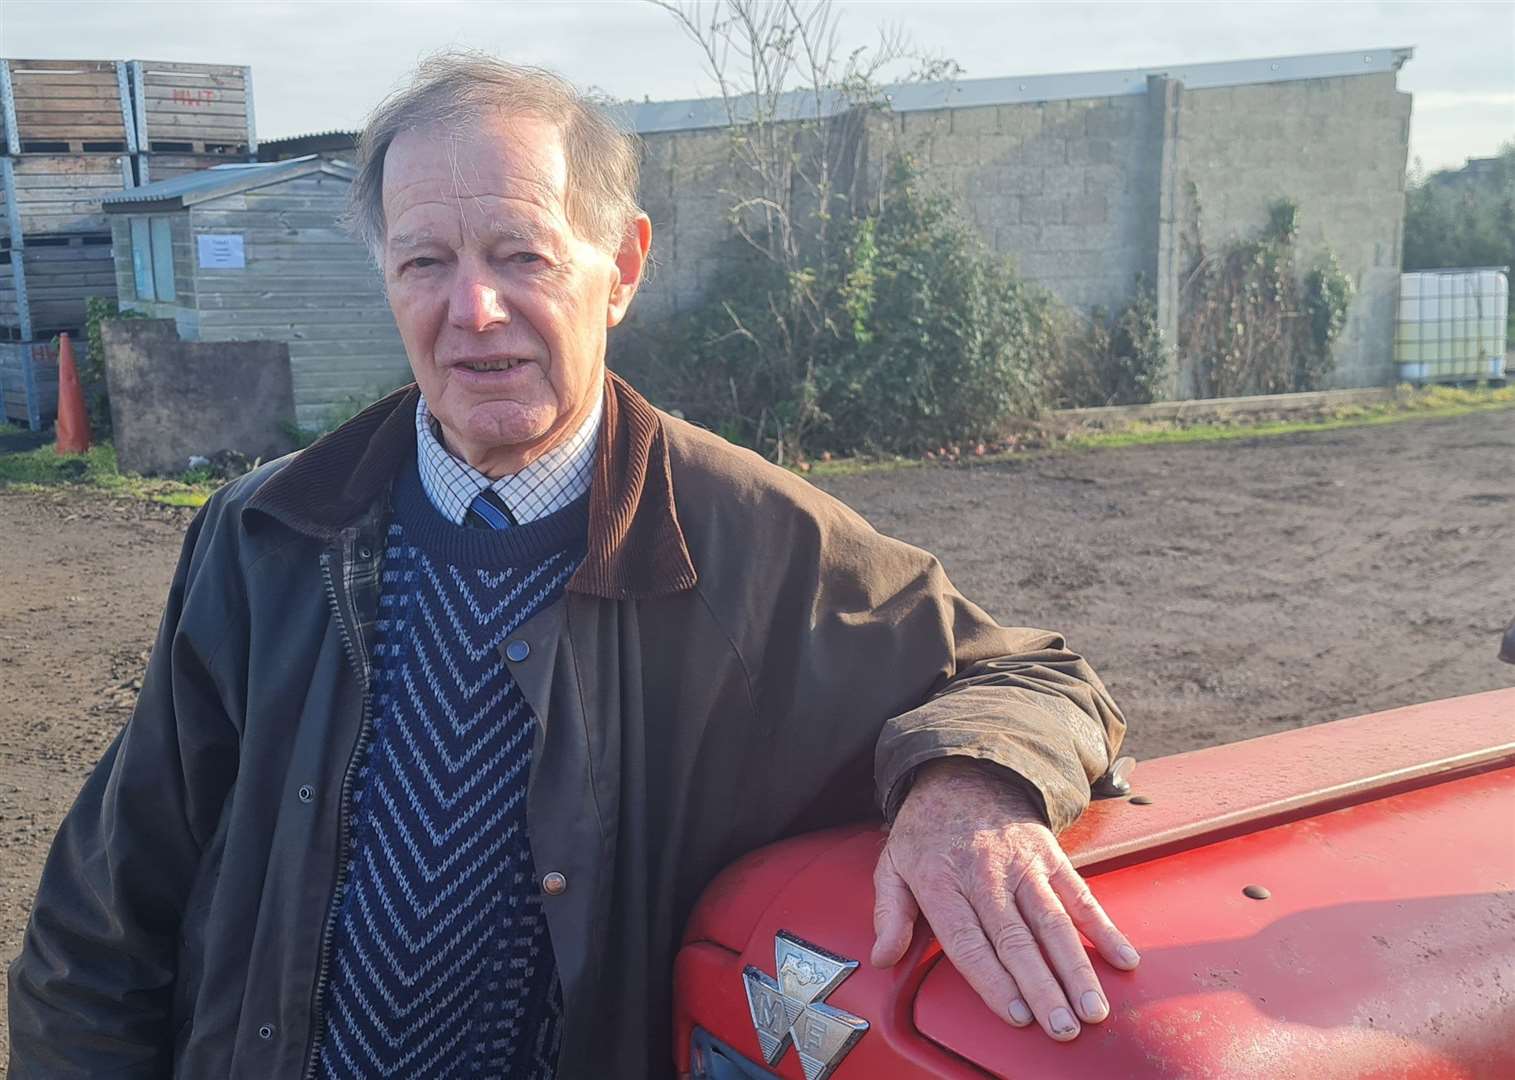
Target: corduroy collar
x,y
636,547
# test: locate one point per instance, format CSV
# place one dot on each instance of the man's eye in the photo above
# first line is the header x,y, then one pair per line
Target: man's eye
x,y
421,262
526,257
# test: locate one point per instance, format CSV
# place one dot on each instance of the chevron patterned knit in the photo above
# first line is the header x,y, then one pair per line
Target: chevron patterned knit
x,y
441,964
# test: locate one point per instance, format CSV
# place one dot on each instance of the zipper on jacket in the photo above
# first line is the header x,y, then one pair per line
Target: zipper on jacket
x,y
347,625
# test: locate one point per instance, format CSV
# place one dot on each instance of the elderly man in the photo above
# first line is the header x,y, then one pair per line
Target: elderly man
x,y
453,714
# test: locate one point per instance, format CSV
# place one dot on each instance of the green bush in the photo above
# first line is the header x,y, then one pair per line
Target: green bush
x,y
922,337
92,368
1122,360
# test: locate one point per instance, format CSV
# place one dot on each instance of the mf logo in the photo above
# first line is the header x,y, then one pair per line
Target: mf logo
x,y
791,1009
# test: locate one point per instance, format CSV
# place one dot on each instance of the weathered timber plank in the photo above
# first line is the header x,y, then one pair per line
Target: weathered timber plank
x,y
343,350
79,67
39,195
70,97
330,204
241,220
224,282
167,127
207,107
284,303
222,89
73,181
48,115
162,81
277,324
178,67
64,217
165,166
294,236
67,165
70,138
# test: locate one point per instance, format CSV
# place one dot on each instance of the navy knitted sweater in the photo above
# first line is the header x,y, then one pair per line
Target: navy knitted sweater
x,y
441,962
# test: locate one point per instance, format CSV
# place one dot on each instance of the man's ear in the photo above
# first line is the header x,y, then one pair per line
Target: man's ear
x,y
630,261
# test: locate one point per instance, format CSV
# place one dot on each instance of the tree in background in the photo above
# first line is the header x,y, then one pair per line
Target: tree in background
x,y
1463,217
851,312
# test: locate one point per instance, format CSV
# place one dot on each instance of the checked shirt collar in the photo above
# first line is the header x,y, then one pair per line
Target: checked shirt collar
x,y
549,483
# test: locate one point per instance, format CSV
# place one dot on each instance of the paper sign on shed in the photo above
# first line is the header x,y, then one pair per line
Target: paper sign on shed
x,y
220,251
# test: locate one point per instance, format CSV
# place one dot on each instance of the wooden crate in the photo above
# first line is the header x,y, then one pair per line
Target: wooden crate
x,y
60,194
60,274
153,167
66,106
29,381
193,108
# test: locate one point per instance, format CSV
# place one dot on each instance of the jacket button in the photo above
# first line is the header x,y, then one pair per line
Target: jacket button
x,y
517,650
266,1031
554,884
307,793
365,552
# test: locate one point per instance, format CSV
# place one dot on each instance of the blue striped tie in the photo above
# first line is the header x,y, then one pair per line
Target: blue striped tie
x,y
488,511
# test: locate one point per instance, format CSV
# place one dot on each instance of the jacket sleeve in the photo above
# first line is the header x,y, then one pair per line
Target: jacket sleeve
x,y
870,645
91,992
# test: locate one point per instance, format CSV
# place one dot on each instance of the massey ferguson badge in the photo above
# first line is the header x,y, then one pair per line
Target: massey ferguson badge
x,y
792,1010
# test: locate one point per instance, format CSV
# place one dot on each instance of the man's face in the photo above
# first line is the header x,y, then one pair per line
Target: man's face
x,y
502,306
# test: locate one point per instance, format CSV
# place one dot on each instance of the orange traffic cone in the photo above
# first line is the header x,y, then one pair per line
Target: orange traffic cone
x,y
73,419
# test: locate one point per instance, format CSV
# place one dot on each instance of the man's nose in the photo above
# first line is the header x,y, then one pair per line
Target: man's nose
x,y
476,304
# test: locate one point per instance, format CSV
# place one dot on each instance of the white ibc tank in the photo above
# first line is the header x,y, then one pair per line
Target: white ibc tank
x,y
1452,325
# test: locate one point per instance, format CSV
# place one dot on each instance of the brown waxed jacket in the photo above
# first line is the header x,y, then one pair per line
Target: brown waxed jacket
x,y
737,656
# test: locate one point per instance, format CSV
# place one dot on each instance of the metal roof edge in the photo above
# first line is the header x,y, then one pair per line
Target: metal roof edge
x,y
327,133
701,113
222,180
262,174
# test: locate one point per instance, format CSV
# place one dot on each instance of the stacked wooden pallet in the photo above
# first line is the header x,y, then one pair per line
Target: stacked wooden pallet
x,y
71,132
191,117
67,134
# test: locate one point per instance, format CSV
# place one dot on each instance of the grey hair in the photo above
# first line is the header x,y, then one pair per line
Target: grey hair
x,y
458,87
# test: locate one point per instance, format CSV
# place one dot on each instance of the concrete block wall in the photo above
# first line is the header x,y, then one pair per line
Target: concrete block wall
x,y
1338,148
1062,187
1086,194
685,178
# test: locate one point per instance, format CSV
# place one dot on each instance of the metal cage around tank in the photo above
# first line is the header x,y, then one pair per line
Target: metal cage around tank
x,y
1453,324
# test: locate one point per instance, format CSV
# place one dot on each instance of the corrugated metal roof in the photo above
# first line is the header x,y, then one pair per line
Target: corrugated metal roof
x,y
310,135
221,180
656,116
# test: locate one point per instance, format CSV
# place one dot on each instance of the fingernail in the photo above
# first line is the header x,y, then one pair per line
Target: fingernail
x,y
1062,1021
1019,1012
1093,1006
1128,956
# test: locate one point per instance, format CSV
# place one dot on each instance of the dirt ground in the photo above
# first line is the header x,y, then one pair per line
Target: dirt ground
x,y
1223,590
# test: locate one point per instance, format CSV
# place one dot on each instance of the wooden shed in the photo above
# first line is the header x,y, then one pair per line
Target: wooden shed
x,y
255,252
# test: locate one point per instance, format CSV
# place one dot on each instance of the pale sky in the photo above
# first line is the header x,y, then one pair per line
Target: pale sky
x,y
321,64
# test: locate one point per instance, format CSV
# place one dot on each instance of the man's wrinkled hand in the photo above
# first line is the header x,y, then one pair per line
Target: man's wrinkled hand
x,y
969,851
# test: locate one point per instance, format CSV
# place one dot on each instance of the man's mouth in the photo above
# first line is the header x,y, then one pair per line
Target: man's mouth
x,y
494,365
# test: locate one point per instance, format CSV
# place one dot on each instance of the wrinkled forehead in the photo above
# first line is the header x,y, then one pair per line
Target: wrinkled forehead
x,y
516,159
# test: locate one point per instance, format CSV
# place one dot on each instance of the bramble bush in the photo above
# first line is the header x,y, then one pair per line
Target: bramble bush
x,y
1253,324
